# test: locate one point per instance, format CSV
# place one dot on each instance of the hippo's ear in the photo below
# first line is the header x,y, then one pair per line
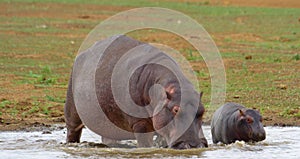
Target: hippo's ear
x,y
201,94
241,113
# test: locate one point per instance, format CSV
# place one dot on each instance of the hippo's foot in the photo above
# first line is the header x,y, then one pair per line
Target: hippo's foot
x,y
144,140
143,134
160,141
74,134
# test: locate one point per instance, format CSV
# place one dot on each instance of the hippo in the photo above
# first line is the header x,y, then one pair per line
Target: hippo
x,y
232,122
156,99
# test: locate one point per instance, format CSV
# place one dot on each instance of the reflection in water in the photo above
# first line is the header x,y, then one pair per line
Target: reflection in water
x,y
280,143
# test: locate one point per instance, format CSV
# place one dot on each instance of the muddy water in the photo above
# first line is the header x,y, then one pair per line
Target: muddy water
x,y
50,143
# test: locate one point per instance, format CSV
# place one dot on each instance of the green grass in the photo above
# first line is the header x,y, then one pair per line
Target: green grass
x,y
4,103
296,57
55,99
38,50
44,77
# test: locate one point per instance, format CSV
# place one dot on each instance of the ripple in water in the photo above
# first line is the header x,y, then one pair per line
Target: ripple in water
x,y
281,142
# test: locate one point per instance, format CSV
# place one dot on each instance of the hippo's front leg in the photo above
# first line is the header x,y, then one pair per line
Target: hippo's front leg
x,y
143,134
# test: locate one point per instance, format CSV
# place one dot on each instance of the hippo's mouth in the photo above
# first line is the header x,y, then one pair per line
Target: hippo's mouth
x,y
259,137
188,145
180,145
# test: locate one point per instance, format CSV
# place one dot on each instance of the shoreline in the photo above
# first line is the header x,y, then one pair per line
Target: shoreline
x,y
41,125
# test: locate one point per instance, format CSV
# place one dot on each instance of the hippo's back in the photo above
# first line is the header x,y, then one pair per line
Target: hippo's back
x,y
219,122
91,78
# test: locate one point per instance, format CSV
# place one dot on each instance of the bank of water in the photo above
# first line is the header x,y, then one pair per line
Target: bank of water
x,y
281,142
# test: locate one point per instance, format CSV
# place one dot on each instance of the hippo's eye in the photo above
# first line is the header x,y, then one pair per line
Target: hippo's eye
x,y
249,120
175,109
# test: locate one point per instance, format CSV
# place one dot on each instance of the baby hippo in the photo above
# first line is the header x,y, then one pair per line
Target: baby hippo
x,y
233,122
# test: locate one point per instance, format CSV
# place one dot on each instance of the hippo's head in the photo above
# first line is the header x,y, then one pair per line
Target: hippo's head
x,y
250,127
179,120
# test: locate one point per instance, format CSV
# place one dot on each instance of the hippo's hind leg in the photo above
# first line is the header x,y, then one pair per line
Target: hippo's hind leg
x,y
73,122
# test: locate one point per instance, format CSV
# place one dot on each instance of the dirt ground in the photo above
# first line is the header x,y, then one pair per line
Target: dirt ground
x,y
57,116
251,3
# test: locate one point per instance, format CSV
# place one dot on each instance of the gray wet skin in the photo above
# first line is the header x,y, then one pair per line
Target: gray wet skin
x,y
174,113
232,122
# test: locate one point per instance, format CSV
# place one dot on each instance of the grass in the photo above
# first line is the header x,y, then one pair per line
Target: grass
x,y
44,77
296,57
39,41
55,99
4,103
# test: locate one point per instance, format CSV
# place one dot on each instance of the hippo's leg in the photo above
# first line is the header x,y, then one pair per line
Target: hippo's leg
x,y
215,141
143,134
144,140
160,141
214,137
73,122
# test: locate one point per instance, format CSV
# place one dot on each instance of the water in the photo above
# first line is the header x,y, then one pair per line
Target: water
x,y
281,142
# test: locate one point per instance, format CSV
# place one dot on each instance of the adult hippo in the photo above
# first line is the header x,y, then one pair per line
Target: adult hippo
x,y
233,122
121,89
